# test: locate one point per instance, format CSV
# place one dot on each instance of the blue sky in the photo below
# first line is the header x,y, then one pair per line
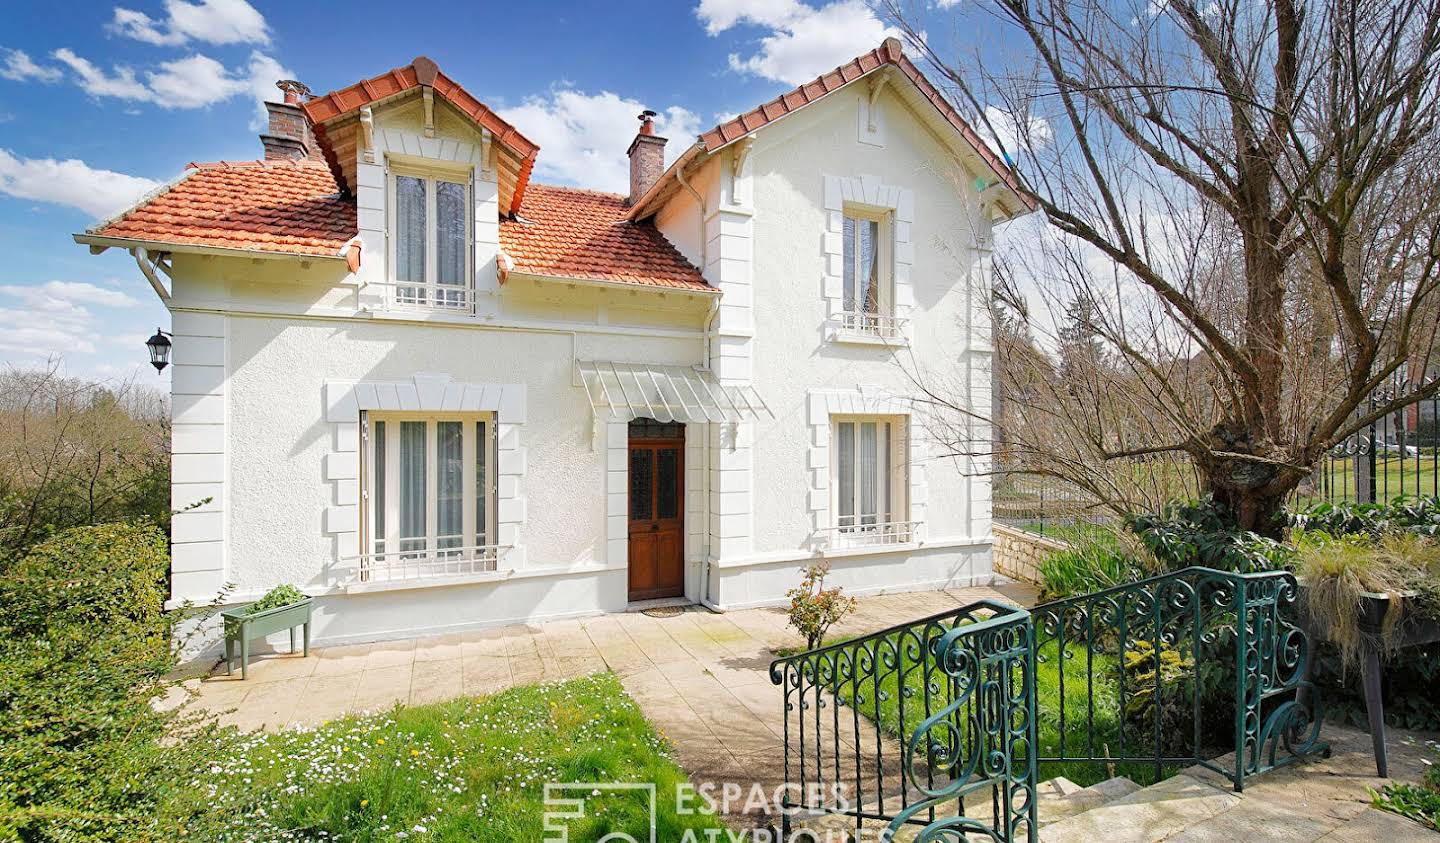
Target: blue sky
x,y
101,100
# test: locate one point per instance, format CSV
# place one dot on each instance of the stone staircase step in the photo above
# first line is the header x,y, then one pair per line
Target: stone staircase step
x,y
1147,815
1083,799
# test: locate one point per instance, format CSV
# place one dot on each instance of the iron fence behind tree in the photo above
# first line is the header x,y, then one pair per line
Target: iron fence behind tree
x,y
1044,504
1396,456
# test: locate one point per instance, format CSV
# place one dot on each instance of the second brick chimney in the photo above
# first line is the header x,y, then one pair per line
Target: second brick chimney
x,y
289,136
647,157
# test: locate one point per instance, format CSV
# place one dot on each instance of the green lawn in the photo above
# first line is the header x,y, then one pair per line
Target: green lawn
x,y
471,769
1335,479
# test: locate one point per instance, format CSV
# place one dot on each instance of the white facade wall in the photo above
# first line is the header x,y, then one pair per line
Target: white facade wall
x,y
275,359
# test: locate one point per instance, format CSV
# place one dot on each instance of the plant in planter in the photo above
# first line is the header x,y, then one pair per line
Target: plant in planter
x,y
1370,596
281,608
1419,802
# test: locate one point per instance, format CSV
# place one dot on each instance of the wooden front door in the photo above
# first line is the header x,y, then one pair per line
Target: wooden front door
x,y
657,517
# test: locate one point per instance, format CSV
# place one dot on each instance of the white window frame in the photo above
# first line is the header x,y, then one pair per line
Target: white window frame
x,y
430,175
469,449
890,527
885,257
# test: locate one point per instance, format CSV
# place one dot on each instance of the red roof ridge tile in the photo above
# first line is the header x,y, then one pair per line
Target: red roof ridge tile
x,y
889,53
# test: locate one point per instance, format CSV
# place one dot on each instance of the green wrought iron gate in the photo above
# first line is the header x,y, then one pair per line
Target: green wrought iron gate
x,y
937,723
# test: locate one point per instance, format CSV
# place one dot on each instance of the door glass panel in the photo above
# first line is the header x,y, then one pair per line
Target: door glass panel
x,y
412,486
378,489
450,484
667,492
642,483
845,469
450,240
410,237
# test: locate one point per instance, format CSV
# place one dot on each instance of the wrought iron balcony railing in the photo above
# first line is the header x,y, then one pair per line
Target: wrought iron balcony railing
x,y
418,298
866,324
422,564
854,531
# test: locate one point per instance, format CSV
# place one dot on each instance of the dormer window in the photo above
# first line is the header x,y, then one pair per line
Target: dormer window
x,y
430,240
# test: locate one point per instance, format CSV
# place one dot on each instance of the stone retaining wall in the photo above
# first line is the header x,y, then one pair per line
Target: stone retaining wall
x,y
1017,553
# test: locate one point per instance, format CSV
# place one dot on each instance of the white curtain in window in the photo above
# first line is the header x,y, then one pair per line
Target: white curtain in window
x,y
869,266
450,484
450,219
869,473
379,486
409,229
845,468
482,519
849,236
412,485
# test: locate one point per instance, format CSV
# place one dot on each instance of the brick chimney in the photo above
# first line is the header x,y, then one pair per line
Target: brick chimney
x,y
289,136
647,157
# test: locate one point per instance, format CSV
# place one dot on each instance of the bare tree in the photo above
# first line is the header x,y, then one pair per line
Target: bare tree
x,y
77,452
1243,195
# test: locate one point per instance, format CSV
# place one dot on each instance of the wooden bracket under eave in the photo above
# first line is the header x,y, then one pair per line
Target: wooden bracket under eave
x,y
428,93
367,134
877,84
487,150
352,255
737,164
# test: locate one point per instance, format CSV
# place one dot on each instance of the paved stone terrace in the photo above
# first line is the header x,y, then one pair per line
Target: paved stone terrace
x,y
702,680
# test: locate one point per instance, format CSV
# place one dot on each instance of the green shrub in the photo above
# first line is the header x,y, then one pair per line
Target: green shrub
x,y
1202,533
84,651
1409,514
280,595
1093,564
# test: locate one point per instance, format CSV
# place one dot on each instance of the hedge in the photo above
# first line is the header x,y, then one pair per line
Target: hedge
x,y
85,647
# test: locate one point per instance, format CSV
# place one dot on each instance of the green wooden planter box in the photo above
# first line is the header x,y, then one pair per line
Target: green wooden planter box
x,y
241,629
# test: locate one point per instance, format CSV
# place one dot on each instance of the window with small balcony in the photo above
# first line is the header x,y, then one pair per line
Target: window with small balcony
x,y
430,240
429,492
867,481
868,297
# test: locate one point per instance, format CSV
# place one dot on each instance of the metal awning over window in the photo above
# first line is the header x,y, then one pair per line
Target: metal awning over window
x,y
624,391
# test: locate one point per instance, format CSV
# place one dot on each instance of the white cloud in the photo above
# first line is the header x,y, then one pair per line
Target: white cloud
x,y
195,81
1007,131
803,41
55,317
71,182
211,21
121,84
583,137
20,67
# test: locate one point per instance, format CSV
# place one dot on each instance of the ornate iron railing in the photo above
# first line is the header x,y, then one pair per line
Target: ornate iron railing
x,y
957,690
1178,669
936,722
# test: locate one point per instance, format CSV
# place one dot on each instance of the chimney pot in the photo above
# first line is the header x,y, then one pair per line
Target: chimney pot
x,y
647,157
289,136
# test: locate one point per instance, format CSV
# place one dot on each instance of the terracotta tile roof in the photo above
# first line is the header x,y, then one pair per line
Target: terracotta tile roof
x,y
422,71
888,53
288,207
574,233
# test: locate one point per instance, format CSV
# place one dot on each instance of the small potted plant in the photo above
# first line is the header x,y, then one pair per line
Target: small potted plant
x,y
282,607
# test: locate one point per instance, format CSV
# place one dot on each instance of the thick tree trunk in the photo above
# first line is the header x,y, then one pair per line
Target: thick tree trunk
x,y
1254,490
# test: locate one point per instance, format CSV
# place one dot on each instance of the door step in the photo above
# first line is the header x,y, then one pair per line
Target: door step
x,y
647,606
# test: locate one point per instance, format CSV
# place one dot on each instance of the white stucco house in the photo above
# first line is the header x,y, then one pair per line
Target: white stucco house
x,y
439,396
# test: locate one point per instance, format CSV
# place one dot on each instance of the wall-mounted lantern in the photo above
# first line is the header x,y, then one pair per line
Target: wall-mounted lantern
x,y
159,346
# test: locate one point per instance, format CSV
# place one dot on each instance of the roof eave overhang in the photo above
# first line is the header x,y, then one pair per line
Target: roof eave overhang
x,y
646,204
99,243
611,284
